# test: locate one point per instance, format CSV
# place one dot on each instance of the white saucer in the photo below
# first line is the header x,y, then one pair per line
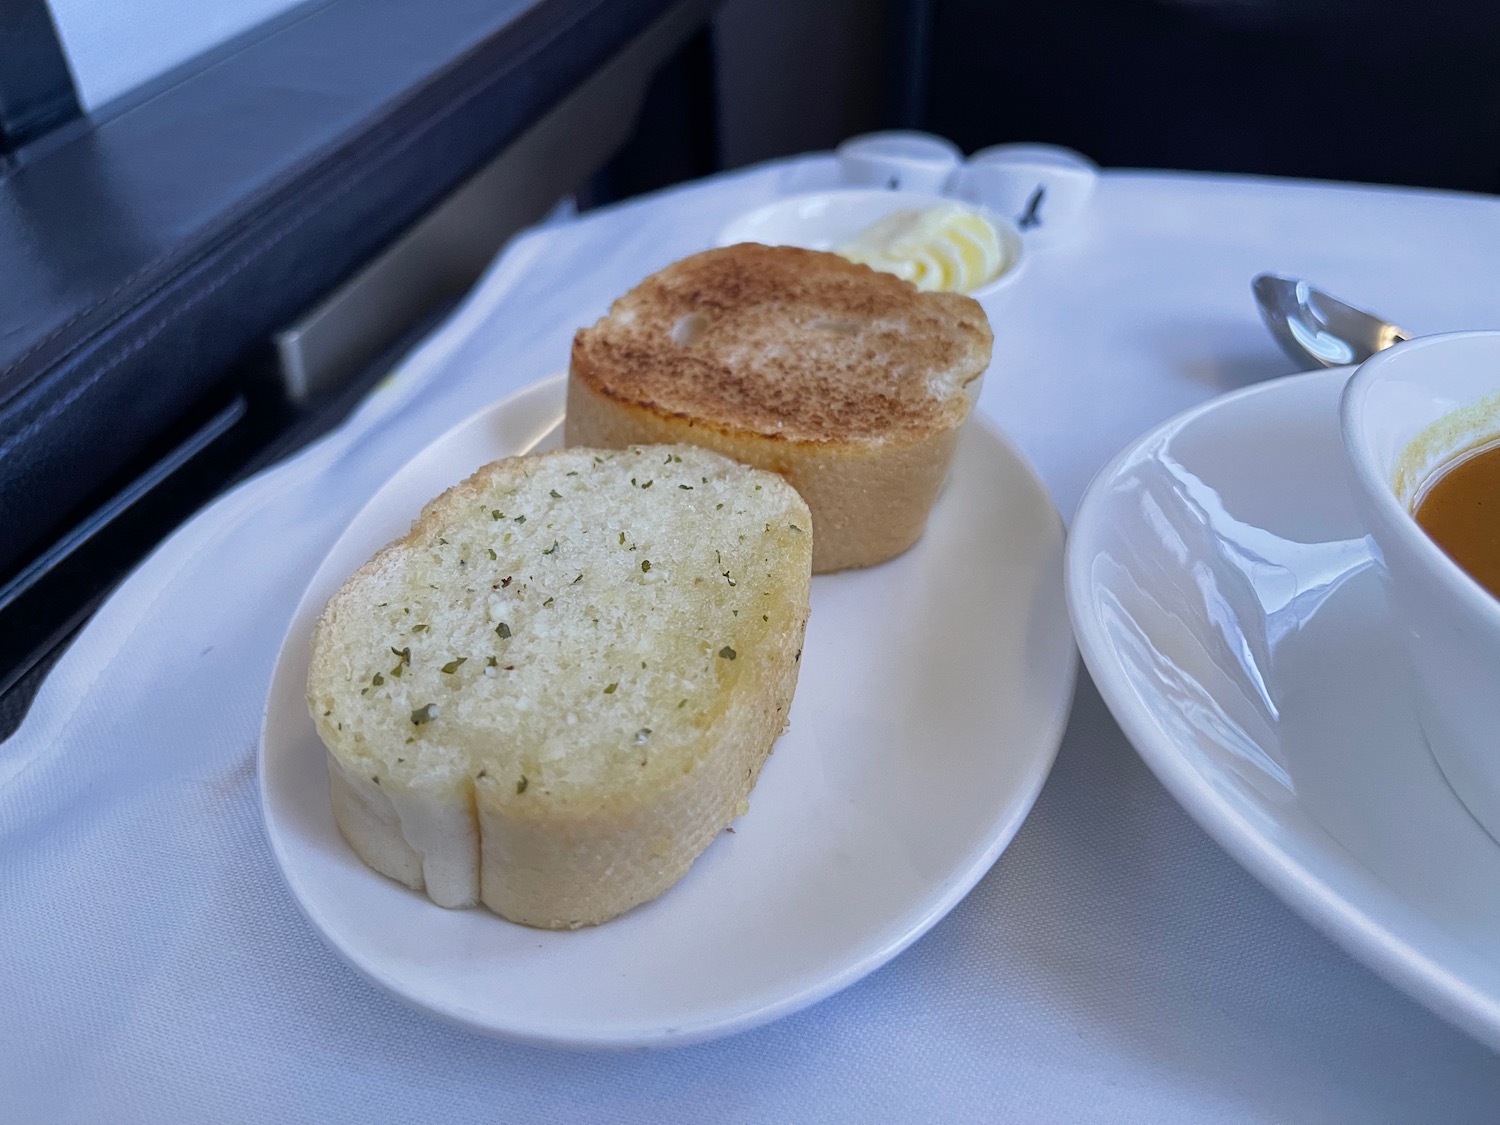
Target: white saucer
x,y
1223,598
933,694
821,220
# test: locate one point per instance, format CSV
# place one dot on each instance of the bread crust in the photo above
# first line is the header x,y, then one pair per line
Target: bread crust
x,y
555,869
554,858
847,382
869,500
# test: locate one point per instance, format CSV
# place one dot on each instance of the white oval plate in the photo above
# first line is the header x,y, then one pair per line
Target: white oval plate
x,y
1225,601
934,691
821,220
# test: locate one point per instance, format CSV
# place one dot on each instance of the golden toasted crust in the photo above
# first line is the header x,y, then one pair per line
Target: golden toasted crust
x,y
788,344
849,383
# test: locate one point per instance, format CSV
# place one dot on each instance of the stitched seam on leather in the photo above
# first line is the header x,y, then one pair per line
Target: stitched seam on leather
x,y
289,226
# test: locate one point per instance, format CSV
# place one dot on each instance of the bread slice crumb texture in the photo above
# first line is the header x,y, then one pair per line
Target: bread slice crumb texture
x,y
563,640
787,343
570,629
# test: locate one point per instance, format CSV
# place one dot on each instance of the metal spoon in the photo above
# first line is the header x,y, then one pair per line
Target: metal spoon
x,y
1309,324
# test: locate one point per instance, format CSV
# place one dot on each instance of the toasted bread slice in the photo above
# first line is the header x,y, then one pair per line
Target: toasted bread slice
x,y
846,381
556,690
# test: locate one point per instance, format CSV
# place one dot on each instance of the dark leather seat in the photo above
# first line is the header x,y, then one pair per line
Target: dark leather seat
x,y
146,253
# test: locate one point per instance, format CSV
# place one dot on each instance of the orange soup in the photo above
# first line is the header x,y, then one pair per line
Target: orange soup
x,y
1461,511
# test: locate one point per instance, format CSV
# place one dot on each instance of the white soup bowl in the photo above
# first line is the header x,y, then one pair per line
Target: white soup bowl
x,y
1407,413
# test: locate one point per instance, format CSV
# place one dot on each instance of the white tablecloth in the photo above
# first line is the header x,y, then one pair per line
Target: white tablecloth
x,y
1114,966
